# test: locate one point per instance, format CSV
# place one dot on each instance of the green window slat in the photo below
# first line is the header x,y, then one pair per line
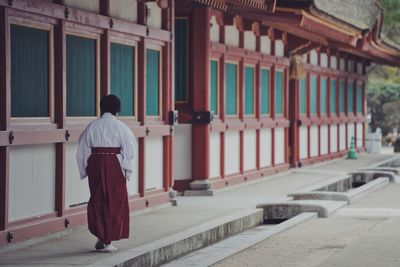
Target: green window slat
x,y
333,96
341,96
231,89
313,95
152,82
249,91
279,92
81,76
323,95
359,98
181,59
303,96
214,86
121,72
29,72
350,95
264,91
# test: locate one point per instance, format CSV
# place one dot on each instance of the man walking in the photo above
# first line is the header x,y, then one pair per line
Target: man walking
x,y
106,150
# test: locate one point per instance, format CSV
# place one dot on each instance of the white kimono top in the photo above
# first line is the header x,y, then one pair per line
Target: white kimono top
x,y
107,131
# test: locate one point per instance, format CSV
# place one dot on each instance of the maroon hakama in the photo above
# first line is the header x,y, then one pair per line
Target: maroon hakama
x,y
108,209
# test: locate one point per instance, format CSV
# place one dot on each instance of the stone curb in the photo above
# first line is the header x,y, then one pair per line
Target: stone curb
x,y
185,242
367,188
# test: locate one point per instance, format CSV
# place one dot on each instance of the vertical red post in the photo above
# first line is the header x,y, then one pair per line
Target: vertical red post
x,y
294,104
241,108
222,108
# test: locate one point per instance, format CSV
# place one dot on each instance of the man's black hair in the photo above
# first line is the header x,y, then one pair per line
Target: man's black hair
x,y
110,103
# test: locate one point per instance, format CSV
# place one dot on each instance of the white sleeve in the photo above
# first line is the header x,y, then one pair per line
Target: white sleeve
x,y
128,150
83,153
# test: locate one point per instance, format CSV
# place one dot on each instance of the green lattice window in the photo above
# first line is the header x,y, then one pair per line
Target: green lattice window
x,y
181,59
122,62
152,82
231,89
360,98
323,95
303,96
249,91
350,97
214,86
265,91
313,95
341,96
29,72
279,92
333,96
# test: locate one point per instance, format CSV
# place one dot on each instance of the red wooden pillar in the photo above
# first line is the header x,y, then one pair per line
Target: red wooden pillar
x,y
105,63
273,104
222,109
200,83
286,113
241,109
5,112
142,112
294,108
60,111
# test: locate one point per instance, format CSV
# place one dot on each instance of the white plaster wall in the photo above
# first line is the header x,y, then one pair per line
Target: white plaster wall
x,y
324,139
133,183
279,48
124,9
350,65
154,163
88,5
232,152
342,137
31,181
154,20
182,152
350,133
333,62
265,45
279,146
215,154
265,148
342,64
249,40
334,138
76,190
314,57
360,136
305,57
303,142
250,150
359,68
231,35
314,141
324,60
214,30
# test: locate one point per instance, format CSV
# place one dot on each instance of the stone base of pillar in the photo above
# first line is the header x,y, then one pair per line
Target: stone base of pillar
x,y
199,188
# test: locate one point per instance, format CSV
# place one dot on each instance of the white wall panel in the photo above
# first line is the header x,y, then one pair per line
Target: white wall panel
x,y
334,138
279,48
231,35
215,154
249,40
265,147
314,57
342,137
154,162
350,133
232,152
333,62
133,183
360,135
359,68
154,20
88,5
324,139
250,150
124,9
303,142
342,64
182,152
265,45
279,146
314,141
350,65
31,181
76,190
214,30
324,60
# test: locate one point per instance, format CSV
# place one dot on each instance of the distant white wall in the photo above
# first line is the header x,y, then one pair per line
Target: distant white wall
x,y
123,9
303,142
88,5
360,135
250,150
360,68
265,45
265,147
154,163
342,64
334,138
133,183
350,133
231,35
279,48
314,141
232,152
324,139
154,20
324,60
214,30
314,57
249,40
31,181
334,62
342,136
215,154
279,146
182,152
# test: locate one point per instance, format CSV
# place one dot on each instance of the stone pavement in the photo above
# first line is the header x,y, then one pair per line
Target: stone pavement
x,y
75,249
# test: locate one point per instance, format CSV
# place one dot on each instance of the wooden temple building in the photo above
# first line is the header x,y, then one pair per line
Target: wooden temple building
x,y
217,92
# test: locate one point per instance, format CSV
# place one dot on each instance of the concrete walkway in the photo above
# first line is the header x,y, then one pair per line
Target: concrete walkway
x,y
166,223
